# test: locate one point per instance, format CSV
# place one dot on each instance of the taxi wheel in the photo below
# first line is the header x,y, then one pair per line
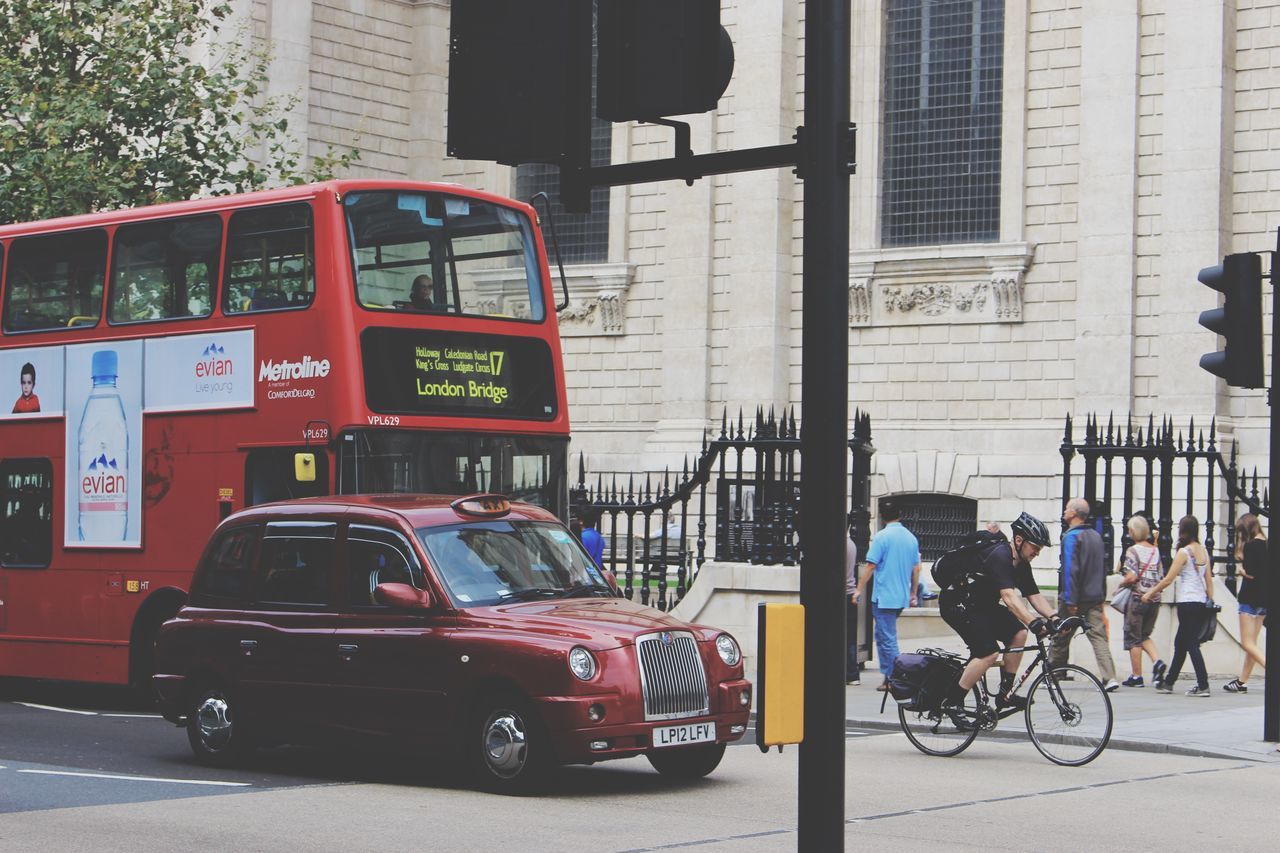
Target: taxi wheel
x,y
508,752
216,735
692,762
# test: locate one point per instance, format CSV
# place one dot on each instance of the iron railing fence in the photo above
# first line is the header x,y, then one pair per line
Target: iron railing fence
x,y
738,501
1145,468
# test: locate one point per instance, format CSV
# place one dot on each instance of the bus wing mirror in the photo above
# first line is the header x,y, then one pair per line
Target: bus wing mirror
x,y
304,467
402,595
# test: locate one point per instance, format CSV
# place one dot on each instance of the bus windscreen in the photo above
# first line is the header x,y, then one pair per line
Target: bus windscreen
x,y
427,372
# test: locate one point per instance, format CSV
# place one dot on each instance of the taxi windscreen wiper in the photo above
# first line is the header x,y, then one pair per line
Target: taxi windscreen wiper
x,y
578,589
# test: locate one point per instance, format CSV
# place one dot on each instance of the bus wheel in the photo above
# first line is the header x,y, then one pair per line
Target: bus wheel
x,y
691,762
216,735
508,752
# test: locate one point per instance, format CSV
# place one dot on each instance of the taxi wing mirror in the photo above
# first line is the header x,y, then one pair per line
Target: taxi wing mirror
x,y
612,579
402,595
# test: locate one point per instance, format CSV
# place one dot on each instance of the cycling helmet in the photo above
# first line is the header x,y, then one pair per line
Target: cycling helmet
x,y
1031,529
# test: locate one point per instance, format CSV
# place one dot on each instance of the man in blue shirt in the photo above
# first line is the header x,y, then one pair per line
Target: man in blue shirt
x,y
591,538
894,561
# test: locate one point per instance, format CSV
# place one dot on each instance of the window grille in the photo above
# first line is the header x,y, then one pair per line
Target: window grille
x,y
942,104
938,521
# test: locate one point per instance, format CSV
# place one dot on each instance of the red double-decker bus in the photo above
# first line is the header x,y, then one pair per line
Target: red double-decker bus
x,y
170,364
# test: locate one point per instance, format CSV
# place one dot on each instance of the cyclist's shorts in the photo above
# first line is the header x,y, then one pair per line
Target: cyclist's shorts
x,y
983,627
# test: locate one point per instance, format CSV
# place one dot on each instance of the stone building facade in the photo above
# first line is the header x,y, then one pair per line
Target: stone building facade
x,y
1133,142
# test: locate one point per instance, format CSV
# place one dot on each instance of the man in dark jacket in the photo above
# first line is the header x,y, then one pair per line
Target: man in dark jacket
x,y
1083,589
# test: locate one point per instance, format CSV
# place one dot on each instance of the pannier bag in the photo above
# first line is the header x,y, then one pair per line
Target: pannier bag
x,y
964,560
922,680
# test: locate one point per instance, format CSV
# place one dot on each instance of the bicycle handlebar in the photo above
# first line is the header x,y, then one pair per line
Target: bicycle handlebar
x,y
1070,624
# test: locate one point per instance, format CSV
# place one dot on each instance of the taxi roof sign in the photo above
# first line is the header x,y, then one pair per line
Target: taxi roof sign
x,y
484,505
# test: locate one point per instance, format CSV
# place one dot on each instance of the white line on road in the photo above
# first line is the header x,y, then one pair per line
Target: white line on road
x,y
138,778
53,708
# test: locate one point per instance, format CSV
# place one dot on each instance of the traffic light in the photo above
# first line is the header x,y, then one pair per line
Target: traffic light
x,y
1238,321
659,58
520,80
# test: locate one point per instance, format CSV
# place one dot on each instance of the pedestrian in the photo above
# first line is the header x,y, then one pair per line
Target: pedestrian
x,y
1251,554
591,538
1141,570
1082,589
1192,576
852,673
894,561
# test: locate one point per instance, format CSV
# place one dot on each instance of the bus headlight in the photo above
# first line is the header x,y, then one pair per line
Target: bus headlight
x,y
728,650
582,663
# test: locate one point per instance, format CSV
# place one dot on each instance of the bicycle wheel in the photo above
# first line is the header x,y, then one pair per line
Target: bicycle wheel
x,y
939,732
1069,721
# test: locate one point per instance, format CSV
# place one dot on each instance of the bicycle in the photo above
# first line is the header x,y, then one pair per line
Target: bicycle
x,y
1068,713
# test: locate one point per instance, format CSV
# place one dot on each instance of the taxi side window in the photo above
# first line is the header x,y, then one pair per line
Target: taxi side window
x,y
374,556
296,562
226,571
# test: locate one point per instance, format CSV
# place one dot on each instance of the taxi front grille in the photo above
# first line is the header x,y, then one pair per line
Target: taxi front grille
x,y
671,675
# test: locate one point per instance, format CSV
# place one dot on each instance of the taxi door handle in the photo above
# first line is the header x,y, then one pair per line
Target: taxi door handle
x,y
248,647
347,648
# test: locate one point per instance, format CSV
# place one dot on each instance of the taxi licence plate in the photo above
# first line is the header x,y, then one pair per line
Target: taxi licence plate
x,y
686,734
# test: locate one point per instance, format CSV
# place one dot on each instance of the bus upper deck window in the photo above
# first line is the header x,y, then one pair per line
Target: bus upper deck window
x,y
166,269
54,281
419,252
270,259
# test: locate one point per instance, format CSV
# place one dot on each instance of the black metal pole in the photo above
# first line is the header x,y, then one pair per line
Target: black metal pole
x,y
824,420
1271,687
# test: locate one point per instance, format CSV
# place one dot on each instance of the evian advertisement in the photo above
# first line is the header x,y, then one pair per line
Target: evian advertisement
x,y
292,378
103,442
195,372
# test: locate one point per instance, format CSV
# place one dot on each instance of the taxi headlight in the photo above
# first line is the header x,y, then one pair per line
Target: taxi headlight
x,y
728,650
582,663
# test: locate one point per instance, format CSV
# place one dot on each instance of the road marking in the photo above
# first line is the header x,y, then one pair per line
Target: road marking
x,y
1050,792
53,708
138,778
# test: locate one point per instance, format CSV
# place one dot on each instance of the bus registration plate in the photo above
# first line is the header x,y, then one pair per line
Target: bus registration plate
x,y
681,735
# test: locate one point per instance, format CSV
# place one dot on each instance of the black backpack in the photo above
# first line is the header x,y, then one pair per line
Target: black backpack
x,y
965,560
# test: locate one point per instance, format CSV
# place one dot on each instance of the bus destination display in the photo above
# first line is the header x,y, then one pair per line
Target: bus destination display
x,y
427,372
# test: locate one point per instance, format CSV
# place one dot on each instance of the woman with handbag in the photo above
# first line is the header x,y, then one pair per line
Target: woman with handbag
x,y
1192,576
1251,551
1141,570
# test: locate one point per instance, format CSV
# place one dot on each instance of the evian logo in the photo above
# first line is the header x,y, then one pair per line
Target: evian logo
x,y
102,477
213,362
308,368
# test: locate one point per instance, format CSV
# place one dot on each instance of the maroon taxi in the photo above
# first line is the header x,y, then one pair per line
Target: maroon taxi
x,y
475,627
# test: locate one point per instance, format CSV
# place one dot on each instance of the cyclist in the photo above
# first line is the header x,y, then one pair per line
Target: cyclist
x,y
971,605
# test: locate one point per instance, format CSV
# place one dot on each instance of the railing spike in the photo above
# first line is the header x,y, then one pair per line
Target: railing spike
x,y
1213,432
1111,419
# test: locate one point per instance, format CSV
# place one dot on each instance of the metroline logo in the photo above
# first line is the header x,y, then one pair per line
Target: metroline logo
x,y
308,368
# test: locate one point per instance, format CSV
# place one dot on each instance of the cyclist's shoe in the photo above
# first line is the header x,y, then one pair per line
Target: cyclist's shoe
x,y
961,718
1199,690
1235,685
1133,681
1012,700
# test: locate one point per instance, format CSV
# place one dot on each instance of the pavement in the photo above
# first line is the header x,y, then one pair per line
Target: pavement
x,y
1224,725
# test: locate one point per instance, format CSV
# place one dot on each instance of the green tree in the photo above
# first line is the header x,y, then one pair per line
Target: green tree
x,y
115,103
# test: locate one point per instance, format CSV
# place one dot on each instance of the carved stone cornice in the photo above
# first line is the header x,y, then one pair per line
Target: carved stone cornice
x,y
936,285
597,299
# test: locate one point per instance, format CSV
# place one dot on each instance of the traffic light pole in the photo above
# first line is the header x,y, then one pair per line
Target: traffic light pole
x,y
824,166
1271,686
